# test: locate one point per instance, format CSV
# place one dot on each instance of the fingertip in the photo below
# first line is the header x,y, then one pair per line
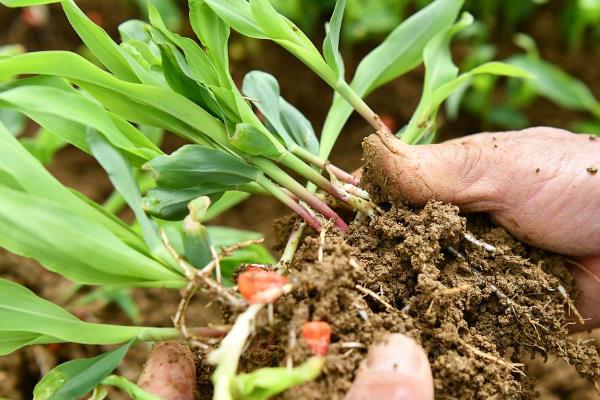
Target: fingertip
x,y
396,369
170,372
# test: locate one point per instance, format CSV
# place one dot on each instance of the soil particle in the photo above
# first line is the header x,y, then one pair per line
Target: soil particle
x,y
592,170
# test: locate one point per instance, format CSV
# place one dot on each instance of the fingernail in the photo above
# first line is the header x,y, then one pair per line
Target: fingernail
x,y
399,354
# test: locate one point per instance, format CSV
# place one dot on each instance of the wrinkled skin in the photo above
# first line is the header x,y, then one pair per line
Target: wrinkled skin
x,y
541,184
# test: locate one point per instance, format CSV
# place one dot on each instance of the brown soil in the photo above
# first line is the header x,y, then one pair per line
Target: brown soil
x,y
478,313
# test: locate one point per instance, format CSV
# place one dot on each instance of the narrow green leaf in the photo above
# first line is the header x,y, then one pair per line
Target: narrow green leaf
x,y
399,53
556,85
35,180
29,319
194,165
265,383
75,378
25,3
214,34
195,237
157,102
121,175
49,105
98,41
285,120
238,14
181,83
254,141
331,45
65,241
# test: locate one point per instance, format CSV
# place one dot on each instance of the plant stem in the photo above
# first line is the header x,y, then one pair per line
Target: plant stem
x,y
276,192
315,160
291,161
291,246
227,356
361,107
279,176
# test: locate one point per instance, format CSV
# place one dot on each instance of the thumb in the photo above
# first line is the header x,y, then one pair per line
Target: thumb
x,y
457,173
170,372
397,369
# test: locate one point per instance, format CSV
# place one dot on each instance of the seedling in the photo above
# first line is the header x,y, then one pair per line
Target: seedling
x,y
157,79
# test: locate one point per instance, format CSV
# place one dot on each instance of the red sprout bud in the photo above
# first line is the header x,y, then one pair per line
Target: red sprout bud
x,y
317,335
262,287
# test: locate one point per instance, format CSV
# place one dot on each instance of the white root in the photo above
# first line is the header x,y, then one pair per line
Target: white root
x,y
514,367
374,295
472,239
227,356
572,307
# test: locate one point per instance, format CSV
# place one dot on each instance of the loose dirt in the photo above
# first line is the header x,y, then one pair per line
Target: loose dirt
x,y
480,302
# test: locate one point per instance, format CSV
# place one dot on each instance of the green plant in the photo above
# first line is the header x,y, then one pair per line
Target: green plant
x,y
159,79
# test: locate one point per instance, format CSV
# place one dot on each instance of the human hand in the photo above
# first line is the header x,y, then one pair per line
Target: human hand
x,y
541,184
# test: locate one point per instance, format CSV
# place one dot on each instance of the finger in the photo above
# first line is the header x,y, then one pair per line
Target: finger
x,y
541,184
450,172
587,277
397,369
170,372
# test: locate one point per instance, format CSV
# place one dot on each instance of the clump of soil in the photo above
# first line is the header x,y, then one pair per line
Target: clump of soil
x,y
480,302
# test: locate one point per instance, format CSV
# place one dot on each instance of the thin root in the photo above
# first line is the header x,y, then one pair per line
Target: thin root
x,y
572,307
374,295
514,367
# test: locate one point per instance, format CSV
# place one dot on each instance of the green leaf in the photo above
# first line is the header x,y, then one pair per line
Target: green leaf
x,y
29,319
331,44
265,383
121,175
254,141
65,241
133,390
75,378
399,53
25,3
214,34
556,85
171,204
57,108
31,176
238,14
194,165
98,41
287,122
44,145
13,120
181,83
195,238
140,103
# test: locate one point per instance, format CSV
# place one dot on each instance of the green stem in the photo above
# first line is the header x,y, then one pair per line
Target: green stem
x,y
276,192
317,161
282,178
291,161
291,246
360,106
133,390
